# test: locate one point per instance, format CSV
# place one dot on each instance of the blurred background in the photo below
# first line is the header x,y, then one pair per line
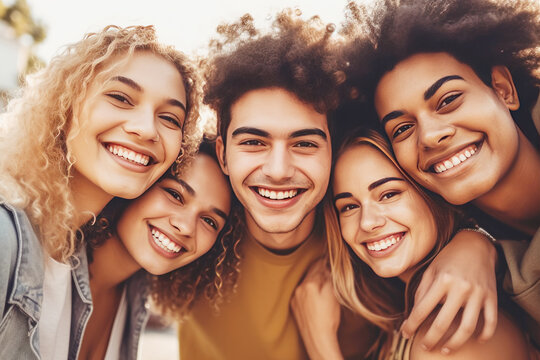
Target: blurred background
x,y
33,31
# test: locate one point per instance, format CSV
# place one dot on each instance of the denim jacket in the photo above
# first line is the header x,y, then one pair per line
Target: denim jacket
x,y
21,293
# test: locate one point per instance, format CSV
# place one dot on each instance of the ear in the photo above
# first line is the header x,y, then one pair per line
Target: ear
x,y
503,84
220,152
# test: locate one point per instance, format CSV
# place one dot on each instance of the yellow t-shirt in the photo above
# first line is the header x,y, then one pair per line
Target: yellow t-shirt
x,y
256,323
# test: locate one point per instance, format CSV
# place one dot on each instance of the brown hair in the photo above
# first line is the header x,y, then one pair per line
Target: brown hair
x,y
383,301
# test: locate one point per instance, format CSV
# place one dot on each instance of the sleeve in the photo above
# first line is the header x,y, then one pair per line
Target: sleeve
x,y
8,256
522,280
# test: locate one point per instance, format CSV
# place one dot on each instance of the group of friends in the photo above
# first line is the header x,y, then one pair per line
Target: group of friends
x,y
367,193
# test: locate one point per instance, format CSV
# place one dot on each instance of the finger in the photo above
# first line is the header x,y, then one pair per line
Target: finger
x,y
444,319
422,309
469,323
490,318
425,284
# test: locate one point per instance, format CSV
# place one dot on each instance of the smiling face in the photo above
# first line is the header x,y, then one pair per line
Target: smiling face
x,y
385,221
278,159
130,127
449,131
177,221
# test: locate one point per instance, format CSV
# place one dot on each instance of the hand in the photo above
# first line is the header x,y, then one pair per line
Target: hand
x,y
317,313
462,276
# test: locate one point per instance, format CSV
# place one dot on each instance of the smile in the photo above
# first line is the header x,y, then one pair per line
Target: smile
x,y
277,195
455,160
385,243
164,242
128,154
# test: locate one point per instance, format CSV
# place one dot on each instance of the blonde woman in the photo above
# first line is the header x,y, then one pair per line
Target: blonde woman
x,y
105,118
383,232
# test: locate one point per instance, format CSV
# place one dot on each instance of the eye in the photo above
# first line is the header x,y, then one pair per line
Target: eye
x,y
306,144
448,100
210,222
252,142
348,207
175,195
119,97
171,120
390,194
401,130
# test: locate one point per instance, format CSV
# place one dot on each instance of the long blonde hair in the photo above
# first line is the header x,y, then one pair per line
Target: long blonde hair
x,y
35,164
382,301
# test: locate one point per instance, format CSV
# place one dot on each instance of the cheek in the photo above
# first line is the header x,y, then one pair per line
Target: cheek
x,y
348,231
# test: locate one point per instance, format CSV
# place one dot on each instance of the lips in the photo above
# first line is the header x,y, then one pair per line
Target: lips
x,y
282,194
455,160
129,154
384,244
169,247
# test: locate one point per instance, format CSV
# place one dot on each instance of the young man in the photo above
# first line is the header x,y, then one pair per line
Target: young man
x,y
271,93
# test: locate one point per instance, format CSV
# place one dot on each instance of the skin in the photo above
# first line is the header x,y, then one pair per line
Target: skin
x,y
436,110
377,206
289,155
139,106
190,212
372,198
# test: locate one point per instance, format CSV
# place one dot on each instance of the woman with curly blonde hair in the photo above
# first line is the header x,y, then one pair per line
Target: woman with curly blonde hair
x,y
107,117
177,231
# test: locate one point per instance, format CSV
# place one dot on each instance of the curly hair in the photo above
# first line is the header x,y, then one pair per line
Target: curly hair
x,y
211,276
296,55
35,163
382,300
478,33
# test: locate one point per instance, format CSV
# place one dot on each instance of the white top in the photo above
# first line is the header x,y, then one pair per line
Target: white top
x,y
115,341
55,322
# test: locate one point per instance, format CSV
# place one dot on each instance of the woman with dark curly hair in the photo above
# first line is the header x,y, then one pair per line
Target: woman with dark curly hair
x,y
176,231
453,84
106,118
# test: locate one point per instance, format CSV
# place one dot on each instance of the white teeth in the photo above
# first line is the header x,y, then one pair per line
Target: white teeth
x,y
383,244
164,242
455,160
277,195
129,154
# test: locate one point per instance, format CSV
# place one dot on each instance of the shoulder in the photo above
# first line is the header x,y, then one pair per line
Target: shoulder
x,y
508,342
9,229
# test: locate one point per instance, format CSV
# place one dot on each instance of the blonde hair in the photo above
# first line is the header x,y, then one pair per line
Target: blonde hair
x,y
383,301
35,164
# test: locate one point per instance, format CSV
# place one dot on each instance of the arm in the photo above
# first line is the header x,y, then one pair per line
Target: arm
x,y
522,279
462,276
317,313
8,256
508,342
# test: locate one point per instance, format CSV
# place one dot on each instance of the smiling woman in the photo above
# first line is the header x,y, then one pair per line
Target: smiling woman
x,y
105,118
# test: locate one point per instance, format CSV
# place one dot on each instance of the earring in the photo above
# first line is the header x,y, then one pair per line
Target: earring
x,y
178,161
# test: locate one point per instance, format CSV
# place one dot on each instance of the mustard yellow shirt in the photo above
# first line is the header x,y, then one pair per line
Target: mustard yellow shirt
x,y
256,323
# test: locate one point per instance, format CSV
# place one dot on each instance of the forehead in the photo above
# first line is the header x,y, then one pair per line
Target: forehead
x,y
206,178
418,72
359,166
276,111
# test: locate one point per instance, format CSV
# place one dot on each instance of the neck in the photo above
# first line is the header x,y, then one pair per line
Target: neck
x,y
88,199
112,265
515,200
282,243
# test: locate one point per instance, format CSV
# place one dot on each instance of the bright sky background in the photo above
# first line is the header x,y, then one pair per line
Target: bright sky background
x,y
186,24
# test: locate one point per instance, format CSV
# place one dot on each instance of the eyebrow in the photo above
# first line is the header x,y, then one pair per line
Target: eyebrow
x,y
437,84
186,186
220,213
177,103
379,182
132,84
390,116
266,134
342,195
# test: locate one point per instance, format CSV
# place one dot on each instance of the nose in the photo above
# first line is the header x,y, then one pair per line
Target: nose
x,y
278,164
433,132
372,218
183,223
142,123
